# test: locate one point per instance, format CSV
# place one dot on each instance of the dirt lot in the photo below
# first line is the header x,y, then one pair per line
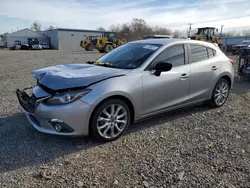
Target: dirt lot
x,y
195,147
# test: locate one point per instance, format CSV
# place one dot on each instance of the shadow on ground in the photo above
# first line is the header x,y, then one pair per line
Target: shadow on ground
x,y
241,87
22,145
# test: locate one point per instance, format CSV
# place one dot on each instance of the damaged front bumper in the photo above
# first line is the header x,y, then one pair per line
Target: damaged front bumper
x,y
69,119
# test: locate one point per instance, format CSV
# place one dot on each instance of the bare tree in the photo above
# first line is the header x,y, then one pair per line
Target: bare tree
x,y
246,32
36,26
136,29
177,34
101,29
162,31
50,28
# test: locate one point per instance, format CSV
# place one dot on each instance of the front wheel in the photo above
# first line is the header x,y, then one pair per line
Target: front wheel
x,y
90,47
110,120
220,93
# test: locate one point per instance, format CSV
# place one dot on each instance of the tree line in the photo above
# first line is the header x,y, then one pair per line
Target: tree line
x,y
136,28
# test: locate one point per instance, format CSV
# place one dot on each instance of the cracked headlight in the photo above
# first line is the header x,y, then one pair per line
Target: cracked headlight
x,y
66,97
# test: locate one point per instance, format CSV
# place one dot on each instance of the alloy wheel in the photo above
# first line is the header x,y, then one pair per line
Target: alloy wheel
x,y
221,93
112,121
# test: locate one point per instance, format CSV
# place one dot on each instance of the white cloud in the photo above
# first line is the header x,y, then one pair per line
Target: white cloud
x,y
91,14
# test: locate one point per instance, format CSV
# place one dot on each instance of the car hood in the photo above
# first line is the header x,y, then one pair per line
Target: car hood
x,y
61,77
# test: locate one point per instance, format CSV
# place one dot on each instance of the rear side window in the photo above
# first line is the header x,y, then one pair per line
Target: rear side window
x,y
210,52
174,55
198,53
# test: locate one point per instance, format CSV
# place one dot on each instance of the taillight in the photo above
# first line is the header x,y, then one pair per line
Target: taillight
x,y
231,61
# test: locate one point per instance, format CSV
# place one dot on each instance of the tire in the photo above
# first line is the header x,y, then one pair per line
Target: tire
x,y
90,48
215,102
108,48
100,118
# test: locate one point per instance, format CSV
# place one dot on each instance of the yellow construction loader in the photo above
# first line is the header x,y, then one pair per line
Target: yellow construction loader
x,y
87,44
108,42
104,44
209,34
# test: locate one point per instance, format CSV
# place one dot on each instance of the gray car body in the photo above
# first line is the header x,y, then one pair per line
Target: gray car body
x,y
146,93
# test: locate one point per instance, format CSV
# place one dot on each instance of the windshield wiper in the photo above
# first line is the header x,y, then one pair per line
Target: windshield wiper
x,y
104,64
90,62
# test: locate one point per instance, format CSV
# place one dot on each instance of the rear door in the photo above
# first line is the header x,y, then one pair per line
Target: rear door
x,y
205,69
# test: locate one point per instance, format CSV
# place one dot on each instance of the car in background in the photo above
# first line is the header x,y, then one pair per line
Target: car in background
x,y
157,36
36,47
236,49
45,45
16,45
137,80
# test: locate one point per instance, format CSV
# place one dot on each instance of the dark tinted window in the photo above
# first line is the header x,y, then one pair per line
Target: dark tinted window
x,y
198,53
174,55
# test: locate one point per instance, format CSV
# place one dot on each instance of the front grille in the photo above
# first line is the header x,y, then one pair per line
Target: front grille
x,y
27,102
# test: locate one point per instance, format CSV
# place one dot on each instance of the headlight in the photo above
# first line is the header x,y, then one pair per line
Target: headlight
x,y
67,97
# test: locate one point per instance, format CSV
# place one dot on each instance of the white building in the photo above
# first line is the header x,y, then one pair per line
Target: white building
x,y
68,39
25,36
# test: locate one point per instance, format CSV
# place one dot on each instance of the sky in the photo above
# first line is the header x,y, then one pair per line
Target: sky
x,y
90,14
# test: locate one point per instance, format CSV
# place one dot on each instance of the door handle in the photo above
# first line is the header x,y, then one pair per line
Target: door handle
x,y
214,68
184,76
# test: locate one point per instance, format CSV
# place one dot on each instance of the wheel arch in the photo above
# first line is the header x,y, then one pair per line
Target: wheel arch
x,y
226,77
118,96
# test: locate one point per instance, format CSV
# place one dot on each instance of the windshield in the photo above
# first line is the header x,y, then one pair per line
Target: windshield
x,y
109,35
129,56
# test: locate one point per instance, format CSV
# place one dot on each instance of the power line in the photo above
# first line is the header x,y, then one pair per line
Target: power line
x,y
238,27
207,21
229,18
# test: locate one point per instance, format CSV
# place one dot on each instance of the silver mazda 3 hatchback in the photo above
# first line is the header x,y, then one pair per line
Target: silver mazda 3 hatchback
x,y
134,81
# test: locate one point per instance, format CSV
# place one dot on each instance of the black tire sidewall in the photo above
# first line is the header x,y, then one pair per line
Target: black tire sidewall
x,y
90,48
213,103
93,123
106,47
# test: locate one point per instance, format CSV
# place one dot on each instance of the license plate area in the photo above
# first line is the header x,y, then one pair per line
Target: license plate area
x,y
27,102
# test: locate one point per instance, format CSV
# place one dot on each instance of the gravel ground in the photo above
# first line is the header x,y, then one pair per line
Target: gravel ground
x,y
195,147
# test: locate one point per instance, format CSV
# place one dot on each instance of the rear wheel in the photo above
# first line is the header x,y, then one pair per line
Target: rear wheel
x,y
110,120
220,93
108,48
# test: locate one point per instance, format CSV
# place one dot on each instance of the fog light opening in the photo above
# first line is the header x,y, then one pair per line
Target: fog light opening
x,y
58,127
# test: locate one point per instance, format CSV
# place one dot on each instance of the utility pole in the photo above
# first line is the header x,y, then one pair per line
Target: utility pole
x,y
189,32
221,29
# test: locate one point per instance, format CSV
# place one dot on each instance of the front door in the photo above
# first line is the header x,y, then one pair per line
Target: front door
x,y
171,88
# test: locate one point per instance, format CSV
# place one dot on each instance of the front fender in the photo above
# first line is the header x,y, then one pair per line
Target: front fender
x,y
126,86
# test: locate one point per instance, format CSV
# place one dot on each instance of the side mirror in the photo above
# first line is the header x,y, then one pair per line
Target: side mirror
x,y
162,67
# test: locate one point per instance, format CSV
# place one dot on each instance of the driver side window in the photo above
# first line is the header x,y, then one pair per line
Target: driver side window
x,y
174,55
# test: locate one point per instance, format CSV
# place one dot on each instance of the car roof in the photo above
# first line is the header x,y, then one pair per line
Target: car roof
x,y
165,41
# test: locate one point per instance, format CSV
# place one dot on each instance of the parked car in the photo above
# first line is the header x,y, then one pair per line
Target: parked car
x,y
45,45
237,48
16,45
25,47
36,47
134,81
157,36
